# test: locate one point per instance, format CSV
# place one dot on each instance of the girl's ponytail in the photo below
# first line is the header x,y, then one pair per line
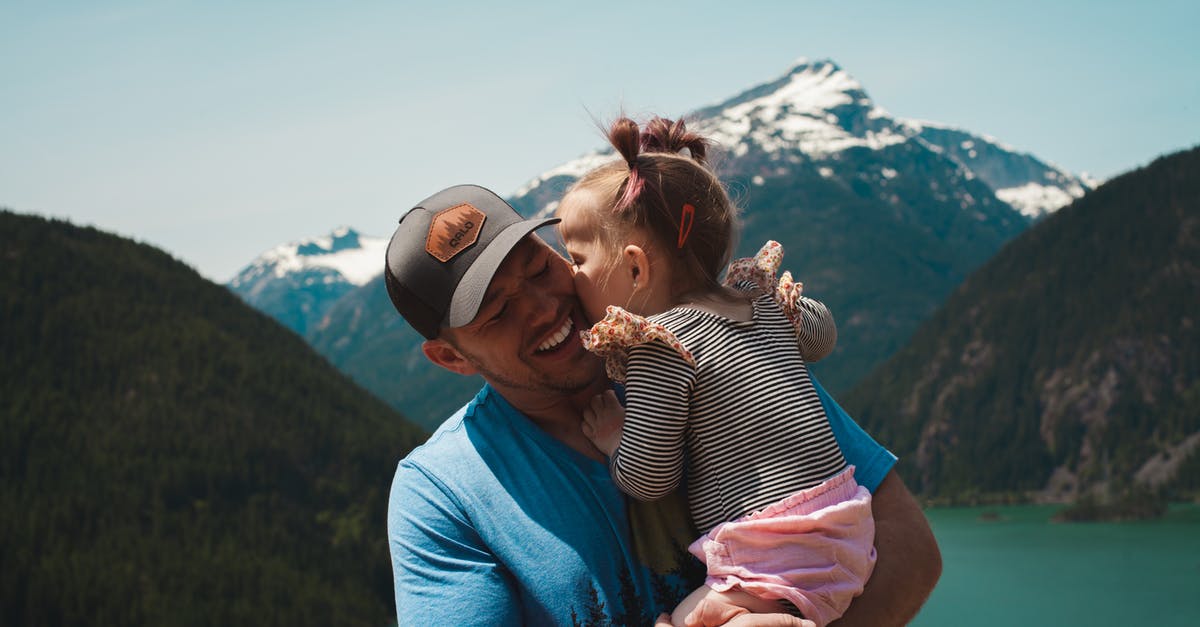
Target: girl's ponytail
x,y
672,136
663,186
625,136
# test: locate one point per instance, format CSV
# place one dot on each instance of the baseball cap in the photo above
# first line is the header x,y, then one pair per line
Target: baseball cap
x,y
445,252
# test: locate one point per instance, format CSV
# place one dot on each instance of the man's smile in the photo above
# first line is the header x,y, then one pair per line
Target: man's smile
x,y
555,340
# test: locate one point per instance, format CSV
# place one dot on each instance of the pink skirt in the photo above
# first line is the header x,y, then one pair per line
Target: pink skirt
x,y
814,549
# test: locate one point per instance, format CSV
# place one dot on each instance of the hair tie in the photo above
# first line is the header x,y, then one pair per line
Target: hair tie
x,y
633,189
686,218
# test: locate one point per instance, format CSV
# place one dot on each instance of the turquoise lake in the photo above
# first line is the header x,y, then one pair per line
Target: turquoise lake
x,y
1022,569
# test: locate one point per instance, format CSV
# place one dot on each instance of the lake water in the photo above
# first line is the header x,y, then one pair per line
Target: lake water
x,y
1022,569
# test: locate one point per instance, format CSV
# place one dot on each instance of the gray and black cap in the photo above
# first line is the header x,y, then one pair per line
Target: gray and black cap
x,y
445,252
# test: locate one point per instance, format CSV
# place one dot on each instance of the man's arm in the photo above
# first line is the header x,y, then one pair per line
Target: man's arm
x,y
908,564
442,571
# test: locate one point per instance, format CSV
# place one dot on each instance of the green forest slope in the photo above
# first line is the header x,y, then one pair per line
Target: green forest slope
x,y
1068,364
173,457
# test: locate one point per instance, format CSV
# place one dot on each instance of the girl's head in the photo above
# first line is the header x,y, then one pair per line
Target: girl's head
x,y
650,228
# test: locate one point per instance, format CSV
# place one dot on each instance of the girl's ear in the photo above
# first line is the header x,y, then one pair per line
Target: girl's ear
x,y
636,263
442,353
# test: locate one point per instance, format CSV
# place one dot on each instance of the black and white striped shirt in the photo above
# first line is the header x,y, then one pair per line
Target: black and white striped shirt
x,y
745,421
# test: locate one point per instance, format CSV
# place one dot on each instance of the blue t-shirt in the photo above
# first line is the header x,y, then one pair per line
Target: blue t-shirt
x,y
494,522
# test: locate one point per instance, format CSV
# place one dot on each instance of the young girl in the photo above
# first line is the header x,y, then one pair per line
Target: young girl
x,y
717,393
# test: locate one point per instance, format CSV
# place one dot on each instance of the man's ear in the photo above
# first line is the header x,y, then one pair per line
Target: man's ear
x,y
636,264
444,354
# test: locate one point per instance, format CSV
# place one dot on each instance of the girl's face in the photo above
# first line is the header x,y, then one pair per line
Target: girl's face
x,y
598,281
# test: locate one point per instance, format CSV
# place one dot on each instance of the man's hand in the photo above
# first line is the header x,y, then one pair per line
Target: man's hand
x,y
752,620
602,421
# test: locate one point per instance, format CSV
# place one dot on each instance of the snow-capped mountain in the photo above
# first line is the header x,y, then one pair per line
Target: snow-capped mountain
x,y
873,201
298,282
1030,185
881,218
814,114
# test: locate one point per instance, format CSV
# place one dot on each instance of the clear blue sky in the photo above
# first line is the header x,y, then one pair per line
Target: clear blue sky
x,y
216,130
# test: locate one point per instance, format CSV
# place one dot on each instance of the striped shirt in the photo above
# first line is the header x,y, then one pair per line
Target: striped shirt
x,y
744,424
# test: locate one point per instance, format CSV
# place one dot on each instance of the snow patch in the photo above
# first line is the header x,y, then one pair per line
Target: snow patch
x,y
357,265
575,168
547,211
1035,200
799,115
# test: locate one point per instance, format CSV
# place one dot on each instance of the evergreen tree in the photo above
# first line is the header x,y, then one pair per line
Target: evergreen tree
x,y
173,457
1075,349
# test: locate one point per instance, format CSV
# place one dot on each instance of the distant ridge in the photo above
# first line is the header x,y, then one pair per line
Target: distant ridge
x,y
173,457
880,217
1069,364
816,112
297,283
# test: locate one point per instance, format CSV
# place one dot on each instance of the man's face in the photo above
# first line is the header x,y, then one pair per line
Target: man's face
x,y
525,338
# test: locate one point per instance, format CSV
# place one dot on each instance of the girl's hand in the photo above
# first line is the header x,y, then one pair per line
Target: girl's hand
x,y
602,421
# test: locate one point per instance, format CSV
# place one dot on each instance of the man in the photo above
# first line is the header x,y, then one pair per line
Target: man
x,y
507,515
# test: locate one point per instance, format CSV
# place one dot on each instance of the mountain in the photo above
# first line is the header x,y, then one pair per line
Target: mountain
x,y
880,217
172,456
1030,185
297,283
1068,365
817,112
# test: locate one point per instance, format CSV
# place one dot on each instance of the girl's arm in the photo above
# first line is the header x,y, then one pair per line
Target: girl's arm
x,y
815,329
648,463
816,332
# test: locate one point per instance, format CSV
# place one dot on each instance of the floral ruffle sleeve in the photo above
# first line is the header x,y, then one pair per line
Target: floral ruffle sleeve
x,y
620,330
816,331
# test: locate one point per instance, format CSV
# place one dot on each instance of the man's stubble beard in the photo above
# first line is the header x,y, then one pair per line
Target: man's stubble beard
x,y
559,385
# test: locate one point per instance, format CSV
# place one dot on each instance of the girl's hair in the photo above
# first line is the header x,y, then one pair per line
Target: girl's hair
x,y
664,187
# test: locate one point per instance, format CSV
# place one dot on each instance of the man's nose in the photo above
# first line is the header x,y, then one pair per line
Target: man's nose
x,y
541,302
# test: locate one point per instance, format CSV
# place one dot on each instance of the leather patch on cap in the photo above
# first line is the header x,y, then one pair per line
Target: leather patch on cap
x,y
453,230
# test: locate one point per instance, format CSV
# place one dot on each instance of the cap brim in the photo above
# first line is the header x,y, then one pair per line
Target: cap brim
x,y
468,296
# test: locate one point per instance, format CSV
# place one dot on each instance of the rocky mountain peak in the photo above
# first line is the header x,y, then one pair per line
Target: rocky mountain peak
x,y
343,254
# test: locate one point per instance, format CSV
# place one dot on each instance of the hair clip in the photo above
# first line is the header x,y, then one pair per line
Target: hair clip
x,y
686,218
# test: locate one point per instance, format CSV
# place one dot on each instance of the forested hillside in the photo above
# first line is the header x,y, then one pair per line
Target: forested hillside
x,y
173,457
1067,365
